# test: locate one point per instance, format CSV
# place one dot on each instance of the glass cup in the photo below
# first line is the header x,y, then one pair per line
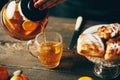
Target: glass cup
x,y
47,47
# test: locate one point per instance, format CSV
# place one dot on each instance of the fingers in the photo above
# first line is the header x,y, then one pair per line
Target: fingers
x,y
43,4
47,4
58,2
50,4
38,3
34,0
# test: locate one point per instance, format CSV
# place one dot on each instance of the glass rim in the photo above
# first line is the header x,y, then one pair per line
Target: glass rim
x,y
51,32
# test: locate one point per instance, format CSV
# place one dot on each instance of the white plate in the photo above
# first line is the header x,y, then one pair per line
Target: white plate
x,y
93,29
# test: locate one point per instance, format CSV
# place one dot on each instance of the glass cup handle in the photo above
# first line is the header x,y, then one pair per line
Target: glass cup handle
x,y
30,44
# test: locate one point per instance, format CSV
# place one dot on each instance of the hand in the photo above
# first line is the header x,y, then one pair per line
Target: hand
x,y
43,4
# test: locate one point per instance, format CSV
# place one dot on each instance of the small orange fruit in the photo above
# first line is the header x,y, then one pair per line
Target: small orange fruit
x,y
3,73
85,78
18,75
29,25
15,78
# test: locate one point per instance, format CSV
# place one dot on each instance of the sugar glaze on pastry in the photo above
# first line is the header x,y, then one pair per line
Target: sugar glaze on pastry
x,y
113,49
103,43
108,31
90,45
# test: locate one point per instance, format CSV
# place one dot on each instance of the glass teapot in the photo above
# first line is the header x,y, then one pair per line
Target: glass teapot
x,y
22,21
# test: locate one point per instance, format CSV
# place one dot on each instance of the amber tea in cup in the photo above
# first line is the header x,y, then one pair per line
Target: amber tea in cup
x,y
48,48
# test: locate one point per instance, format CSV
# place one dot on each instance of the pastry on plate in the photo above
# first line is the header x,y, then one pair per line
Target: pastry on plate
x,y
109,31
113,49
90,45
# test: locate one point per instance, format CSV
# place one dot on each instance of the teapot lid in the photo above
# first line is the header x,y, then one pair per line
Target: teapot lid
x,y
30,12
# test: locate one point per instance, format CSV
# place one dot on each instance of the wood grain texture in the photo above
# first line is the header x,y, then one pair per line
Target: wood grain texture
x,y
14,55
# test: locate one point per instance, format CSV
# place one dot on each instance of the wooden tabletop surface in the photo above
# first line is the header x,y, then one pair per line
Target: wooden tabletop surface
x,y
14,55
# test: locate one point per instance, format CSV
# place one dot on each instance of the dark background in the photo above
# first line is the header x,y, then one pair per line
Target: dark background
x,y
104,10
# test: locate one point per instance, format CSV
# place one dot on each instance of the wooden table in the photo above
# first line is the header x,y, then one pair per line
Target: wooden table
x,y
14,55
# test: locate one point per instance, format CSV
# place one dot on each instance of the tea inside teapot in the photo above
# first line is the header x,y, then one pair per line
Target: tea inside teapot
x,y
21,22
